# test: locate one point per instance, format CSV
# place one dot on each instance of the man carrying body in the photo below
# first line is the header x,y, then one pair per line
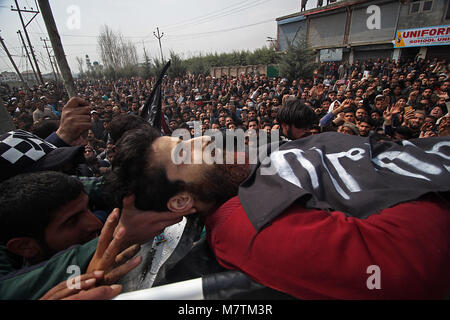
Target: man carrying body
x,y
314,219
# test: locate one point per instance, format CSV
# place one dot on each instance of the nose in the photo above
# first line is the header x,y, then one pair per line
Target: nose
x,y
91,223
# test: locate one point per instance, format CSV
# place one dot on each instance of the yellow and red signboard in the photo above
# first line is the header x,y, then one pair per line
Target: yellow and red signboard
x,y
421,37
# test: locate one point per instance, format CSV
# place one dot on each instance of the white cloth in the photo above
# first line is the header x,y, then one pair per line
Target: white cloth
x,y
143,276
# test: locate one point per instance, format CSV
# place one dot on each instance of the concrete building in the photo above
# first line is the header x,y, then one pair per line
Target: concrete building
x,y
362,29
7,76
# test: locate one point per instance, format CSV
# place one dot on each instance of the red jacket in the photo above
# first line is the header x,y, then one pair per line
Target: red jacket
x,y
314,254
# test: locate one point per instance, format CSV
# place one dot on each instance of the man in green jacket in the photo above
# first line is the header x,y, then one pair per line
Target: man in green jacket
x,y
48,234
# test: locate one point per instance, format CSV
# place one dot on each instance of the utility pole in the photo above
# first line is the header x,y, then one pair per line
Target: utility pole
x,y
56,67
58,49
26,35
49,57
159,36
28,55
14,64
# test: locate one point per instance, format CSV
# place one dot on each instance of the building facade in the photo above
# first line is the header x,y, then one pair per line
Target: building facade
x,y
7,76
362,29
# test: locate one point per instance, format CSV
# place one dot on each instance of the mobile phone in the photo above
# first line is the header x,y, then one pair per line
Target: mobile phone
x,y
408,108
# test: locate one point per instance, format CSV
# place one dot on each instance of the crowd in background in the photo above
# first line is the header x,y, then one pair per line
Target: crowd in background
x,y
396,99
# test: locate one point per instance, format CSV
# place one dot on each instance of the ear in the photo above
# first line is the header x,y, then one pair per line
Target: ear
x,y
181,202
24,247
284,126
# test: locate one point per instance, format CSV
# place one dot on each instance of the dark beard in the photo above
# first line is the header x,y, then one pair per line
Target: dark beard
x,y
220,183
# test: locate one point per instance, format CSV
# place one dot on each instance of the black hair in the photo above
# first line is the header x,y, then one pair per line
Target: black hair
x,y
27,202
349,109
367,120
294,112
134,173
124,122
253,120
405,132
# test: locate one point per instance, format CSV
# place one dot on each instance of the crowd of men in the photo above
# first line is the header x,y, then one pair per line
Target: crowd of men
x,y
392,100
407,100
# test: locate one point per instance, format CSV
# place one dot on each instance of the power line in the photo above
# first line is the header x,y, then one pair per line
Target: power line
x,y
170,26
181,36
226,13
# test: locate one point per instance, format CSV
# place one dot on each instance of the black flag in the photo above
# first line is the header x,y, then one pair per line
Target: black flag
x,y
354,175
152,108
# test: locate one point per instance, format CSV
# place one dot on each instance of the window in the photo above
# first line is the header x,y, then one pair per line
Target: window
x,y
448,12
427,5
420,6
415,7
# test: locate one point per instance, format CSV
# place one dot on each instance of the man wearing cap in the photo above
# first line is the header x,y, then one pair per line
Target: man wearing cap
x,y
97,125
348,128
42,112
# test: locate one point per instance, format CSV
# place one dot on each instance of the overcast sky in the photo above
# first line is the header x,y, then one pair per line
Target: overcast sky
x,y
190,26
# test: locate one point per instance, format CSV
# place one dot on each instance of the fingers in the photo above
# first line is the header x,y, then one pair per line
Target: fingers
x,y
128,202
99,293
67,288
76,102
107,232
113,249
117,273
127,254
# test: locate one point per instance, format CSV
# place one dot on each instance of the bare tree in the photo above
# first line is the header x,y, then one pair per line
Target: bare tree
x,y
109,45
117,54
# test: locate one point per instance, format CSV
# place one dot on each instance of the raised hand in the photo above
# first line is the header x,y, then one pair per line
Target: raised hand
x,y
75,120
142,226
110,255
85,291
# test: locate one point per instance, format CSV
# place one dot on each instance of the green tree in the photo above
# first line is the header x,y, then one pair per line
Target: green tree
x,y
298,61
177,66
145,68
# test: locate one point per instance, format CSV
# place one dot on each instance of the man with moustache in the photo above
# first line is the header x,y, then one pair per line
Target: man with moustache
x,y
312,217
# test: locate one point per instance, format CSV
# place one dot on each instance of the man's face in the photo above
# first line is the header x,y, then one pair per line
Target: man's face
x,y
345,130
417,121
436,112
361,113
208,182
349,117
325,105
431,82
359,92
364,129
427,93
253,125
88,153
72,224
90,135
